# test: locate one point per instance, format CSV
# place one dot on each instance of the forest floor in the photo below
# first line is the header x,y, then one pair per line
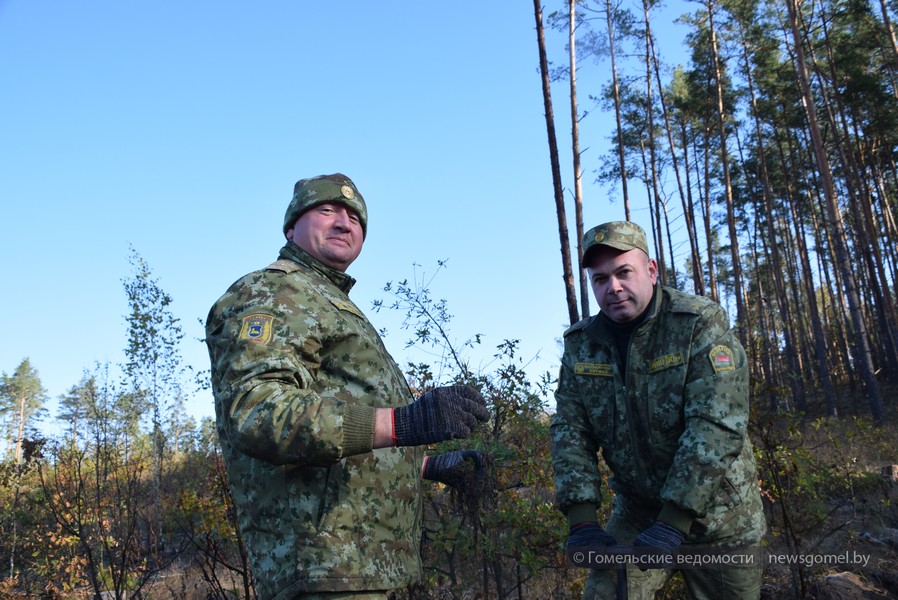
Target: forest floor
x,y
837,514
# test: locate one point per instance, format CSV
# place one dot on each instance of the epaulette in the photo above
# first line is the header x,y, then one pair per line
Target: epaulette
x,y
283,265
688,303
581,324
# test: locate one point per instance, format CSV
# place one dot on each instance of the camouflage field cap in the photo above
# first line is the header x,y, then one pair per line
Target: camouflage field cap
x,y
336,188
622,235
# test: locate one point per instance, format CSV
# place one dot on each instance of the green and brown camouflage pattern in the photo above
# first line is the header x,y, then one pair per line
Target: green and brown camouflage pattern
x,y
672,429
336,188
297,371
621,235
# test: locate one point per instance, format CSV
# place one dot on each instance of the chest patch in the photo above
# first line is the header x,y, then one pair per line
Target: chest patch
x,y
593,369
665,362
256,328
722,359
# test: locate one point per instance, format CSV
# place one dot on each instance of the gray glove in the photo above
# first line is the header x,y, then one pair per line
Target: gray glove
x,y
659,541
455,467
585,538
589,536
444,413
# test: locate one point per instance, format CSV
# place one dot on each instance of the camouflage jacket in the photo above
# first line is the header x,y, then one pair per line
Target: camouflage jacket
x,y
672,429
297,371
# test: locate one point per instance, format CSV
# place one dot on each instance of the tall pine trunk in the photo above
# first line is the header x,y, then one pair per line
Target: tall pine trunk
x,y
615,87
652,171
563,234
738,287
575,149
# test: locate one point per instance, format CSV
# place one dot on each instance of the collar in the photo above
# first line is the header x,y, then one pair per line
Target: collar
x,y
291,251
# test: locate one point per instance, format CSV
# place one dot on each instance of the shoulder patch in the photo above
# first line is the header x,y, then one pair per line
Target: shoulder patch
x,y
722,359
284,265
256,328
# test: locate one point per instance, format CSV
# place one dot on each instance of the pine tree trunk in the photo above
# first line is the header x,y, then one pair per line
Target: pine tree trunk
x,y
738,288
575,143
563,235
689,209
615,87
675,166
653,160
705,203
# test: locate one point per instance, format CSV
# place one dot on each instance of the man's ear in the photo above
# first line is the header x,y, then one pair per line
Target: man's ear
x,y
653,269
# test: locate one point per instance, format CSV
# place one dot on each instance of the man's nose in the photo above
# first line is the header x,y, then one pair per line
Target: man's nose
x,y
342,219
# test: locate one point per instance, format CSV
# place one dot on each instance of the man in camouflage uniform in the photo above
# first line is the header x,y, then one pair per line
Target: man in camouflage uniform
x,y
318,428
657,382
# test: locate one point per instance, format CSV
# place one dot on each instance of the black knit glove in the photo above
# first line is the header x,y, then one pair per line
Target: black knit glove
x,y
455,468
657,545
443,413
587,537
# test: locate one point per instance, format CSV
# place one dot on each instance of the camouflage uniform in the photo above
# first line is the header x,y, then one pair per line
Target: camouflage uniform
x,y
672,428
297,372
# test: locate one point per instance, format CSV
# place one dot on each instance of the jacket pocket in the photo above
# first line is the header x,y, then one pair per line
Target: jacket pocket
x,y
729,494
310,494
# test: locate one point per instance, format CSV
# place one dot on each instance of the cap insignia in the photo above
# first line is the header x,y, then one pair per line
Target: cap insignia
x,y
347,192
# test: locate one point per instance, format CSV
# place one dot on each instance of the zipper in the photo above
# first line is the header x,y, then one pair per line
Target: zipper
x,y
635,406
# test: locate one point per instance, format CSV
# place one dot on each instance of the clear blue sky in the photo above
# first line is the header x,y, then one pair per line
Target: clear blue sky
x,y
179,128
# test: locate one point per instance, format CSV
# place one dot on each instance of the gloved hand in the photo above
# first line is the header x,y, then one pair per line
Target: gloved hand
x,y
659,542
452,468
444,413
586,537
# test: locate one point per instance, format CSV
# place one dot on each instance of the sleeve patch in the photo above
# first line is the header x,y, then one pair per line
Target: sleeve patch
x,y
256,328
722,359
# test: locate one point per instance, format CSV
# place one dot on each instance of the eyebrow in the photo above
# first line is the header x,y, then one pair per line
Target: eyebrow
x,y
615,270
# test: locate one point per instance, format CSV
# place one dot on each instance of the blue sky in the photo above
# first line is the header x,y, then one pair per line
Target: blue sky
x,y
179,129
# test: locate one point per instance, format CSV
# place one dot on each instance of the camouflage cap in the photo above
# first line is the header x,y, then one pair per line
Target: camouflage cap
x,y
336,188
622,235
